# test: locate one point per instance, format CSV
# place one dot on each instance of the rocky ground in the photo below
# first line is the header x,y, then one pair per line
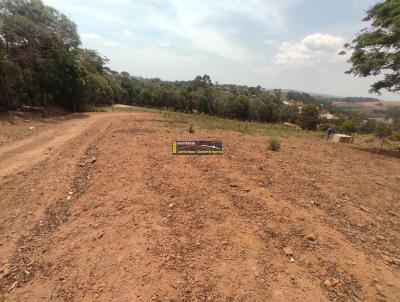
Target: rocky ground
x,y
95,208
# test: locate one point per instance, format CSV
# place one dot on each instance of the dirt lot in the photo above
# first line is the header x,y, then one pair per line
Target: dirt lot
x,y
95,208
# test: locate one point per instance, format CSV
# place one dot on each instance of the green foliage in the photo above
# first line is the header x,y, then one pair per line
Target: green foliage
x,y
274,144
212,122
309,117
240,107
395,136
348,127
302,97
394,114
289,114
383,130
38,56
191,128
368,127
377,49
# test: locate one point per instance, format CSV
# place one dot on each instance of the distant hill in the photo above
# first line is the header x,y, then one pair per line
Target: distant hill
x,y
334,99
361,99
326,98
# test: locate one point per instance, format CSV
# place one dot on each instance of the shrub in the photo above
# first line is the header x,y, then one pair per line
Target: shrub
x,y
368,126
309,117
191,128
369,139
274,144
348,127
383,130
395,136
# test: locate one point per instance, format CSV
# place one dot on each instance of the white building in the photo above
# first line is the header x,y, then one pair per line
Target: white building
x,y
328,116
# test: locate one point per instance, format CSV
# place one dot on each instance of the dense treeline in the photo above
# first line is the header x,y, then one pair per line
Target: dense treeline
x,y
41,62
201,95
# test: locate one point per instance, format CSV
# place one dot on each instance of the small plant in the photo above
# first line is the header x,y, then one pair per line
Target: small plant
x,y
274,144
191,128
395,136
369,140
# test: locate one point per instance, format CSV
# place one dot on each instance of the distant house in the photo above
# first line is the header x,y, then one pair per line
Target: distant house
x,y
328,116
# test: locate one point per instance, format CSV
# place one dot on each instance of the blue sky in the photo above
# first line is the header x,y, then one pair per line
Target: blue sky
x,y
289,44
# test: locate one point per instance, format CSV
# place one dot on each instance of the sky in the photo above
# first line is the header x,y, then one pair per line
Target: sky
x,y
286,44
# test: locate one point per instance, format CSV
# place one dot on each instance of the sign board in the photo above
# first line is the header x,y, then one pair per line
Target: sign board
x,y
197,147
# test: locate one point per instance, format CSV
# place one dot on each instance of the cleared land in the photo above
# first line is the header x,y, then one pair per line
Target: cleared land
x,y
95,208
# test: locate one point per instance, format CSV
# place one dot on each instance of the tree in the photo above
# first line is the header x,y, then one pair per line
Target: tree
x,y
240,107
377,49
383,130
37,55
349,127
368,126
309,117
278,96
394,114
289,113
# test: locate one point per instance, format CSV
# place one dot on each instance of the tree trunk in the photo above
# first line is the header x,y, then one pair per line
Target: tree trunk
x,y
6,91
353,136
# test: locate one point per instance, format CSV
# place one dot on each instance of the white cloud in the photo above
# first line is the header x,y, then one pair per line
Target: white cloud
x,y
87,37
114,2
269,42
127,33
323,42
309,51
207,26
196,22
111,44
165,44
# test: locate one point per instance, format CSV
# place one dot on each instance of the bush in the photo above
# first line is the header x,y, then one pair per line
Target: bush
x,y
309,117
191,128
395,136
368,126
274,144
369,139
383,130
348,127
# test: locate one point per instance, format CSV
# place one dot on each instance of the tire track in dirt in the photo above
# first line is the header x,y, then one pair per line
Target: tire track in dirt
x,y
23,264
22,155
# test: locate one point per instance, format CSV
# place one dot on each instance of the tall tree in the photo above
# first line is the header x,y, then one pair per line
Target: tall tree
x,y
40,44
383,130
309,117
376,49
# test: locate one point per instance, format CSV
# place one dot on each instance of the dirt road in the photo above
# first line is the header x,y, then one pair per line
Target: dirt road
x,y
97,209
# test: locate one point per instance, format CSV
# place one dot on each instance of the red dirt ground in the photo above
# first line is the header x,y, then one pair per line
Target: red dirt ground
x,y
96,208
